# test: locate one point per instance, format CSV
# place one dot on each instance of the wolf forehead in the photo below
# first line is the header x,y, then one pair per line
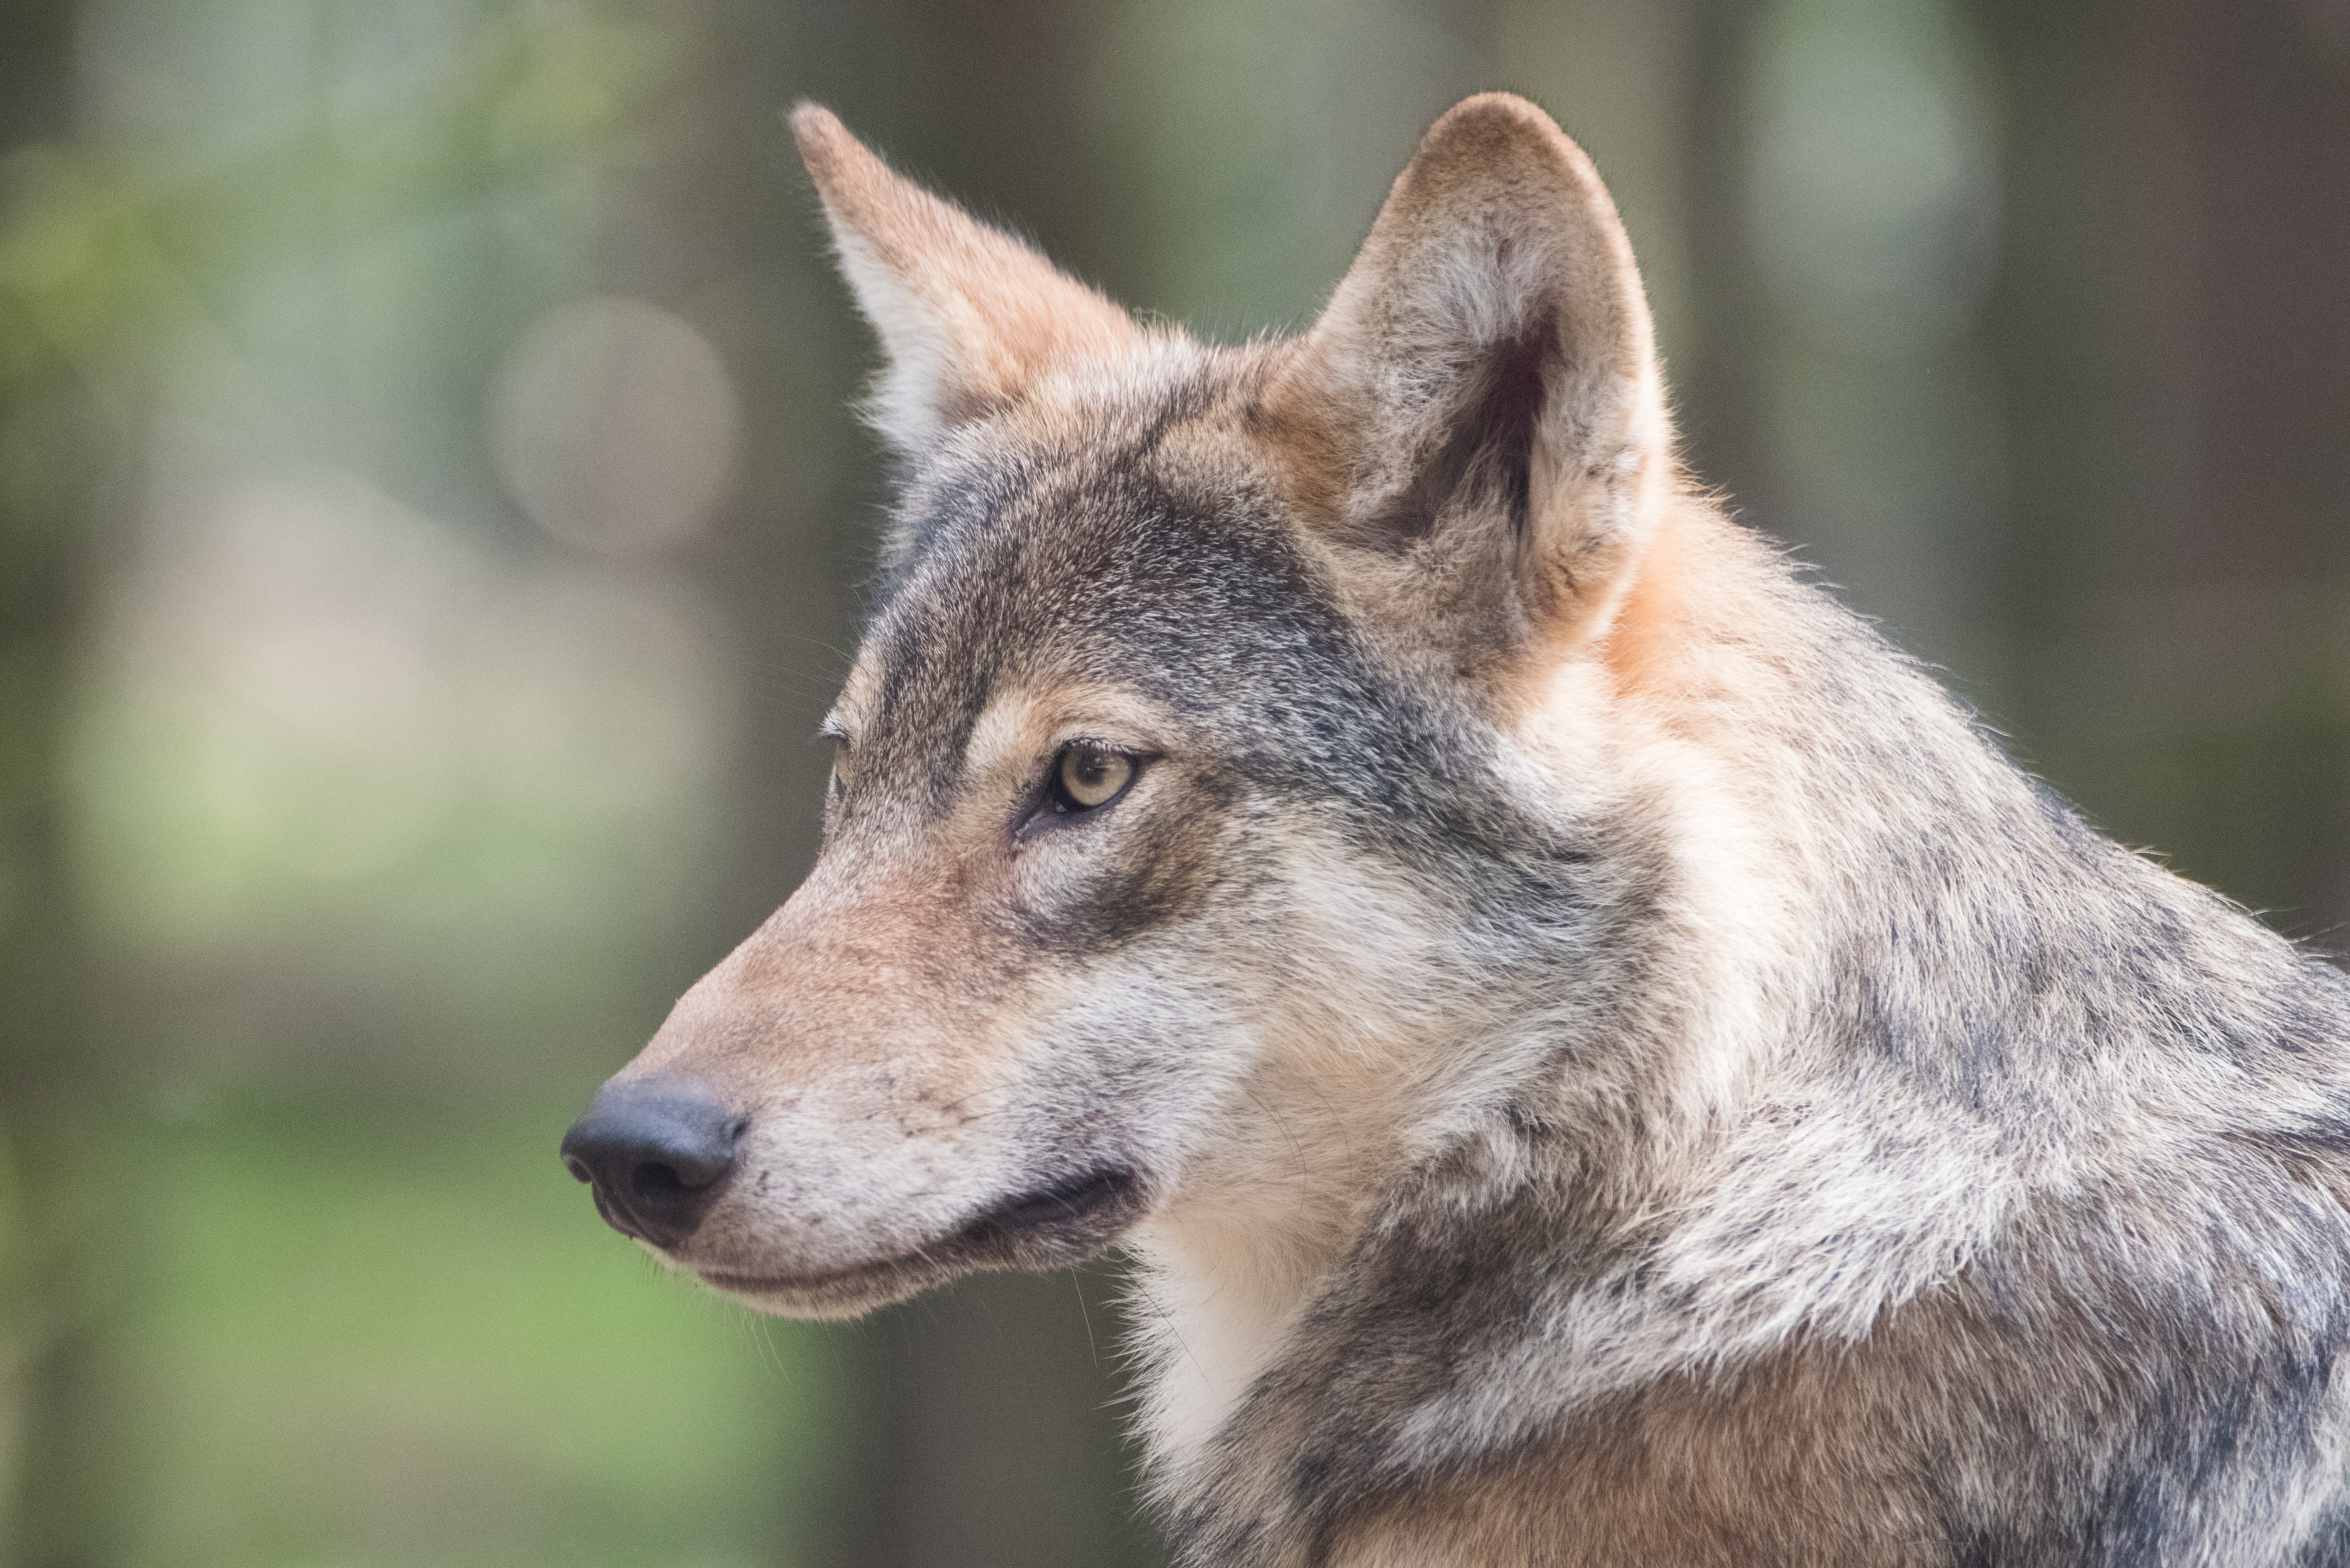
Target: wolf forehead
x,y
1141,529
1139,538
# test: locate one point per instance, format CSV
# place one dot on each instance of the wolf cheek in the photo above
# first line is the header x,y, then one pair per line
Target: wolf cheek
x,y
890,1064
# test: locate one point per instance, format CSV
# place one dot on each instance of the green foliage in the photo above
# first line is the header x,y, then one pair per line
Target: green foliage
x,y
395,1340
103,251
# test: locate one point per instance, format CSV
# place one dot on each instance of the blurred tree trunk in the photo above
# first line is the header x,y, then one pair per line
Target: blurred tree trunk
x,y
45,420
997,1442
2174,342
1718,387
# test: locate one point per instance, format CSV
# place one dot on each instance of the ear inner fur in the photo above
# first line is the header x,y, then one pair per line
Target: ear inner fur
x,y
1488,365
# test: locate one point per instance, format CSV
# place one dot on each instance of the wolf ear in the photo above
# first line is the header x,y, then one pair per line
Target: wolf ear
x,y
1480,403
967,316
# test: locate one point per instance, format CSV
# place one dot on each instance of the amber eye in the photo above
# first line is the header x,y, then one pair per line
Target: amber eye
x,y
1088,776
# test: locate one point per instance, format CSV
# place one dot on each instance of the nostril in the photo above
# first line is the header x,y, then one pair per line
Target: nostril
x,y
661,1183
657,1183
673,1171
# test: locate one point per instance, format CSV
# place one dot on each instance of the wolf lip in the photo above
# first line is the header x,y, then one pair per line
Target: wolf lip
x,y
796,1284
1062,1223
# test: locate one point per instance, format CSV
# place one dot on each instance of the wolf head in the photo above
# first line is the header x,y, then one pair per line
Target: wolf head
x,y
1231,744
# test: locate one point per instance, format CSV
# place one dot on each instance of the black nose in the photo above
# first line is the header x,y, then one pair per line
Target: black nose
x,y
657,1150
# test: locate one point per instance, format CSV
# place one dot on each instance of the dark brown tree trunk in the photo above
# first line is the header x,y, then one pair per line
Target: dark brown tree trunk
x,y
1717,389
46,1515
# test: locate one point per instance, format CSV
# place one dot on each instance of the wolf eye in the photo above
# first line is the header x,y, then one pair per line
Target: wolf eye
x,y
1084,777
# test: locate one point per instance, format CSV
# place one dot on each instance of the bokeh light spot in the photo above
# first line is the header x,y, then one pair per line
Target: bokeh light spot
x,y
613,425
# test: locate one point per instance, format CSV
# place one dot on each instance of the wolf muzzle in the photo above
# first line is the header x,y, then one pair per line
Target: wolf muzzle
x,y
656,1151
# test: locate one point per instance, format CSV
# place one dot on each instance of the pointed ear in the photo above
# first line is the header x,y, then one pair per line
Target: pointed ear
x,y
969,317
1480,409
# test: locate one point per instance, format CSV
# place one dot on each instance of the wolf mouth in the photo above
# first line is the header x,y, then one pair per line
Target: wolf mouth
x,y
1063,1223
1072,1204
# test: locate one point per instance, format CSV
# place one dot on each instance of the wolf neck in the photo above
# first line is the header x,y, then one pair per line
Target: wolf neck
x,y
1257,1234
1350,1108
1219,1287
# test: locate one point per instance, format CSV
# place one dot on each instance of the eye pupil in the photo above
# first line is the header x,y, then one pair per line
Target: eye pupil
x,y
1091,776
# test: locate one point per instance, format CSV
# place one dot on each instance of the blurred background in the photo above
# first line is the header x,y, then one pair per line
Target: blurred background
x,y
430,526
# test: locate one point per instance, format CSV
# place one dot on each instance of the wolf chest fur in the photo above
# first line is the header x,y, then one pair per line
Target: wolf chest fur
x,y
1597,1060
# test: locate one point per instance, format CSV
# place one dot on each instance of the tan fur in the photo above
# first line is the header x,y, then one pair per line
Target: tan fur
x,y
1651,627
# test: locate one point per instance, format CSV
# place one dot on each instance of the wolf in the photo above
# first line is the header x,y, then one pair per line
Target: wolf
x,y
1596,1059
